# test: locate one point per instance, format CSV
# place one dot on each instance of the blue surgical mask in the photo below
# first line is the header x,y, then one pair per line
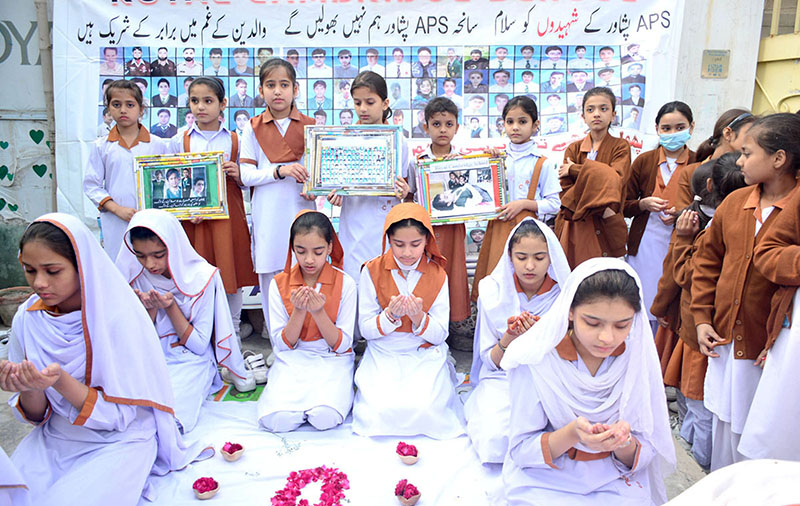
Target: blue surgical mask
x,y
674,142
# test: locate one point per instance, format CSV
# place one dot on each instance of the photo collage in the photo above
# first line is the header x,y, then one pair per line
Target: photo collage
x,y
479,79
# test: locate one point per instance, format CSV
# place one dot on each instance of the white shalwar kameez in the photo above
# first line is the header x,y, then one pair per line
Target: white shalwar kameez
x,y
197,288
770,431
522,159
109,175
274,205
311,375
488,408
648,262
548,391
728,393
105,452
403,388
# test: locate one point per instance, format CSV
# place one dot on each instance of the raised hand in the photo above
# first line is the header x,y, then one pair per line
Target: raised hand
x,y
314,301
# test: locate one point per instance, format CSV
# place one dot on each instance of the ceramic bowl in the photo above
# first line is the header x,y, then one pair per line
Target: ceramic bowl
x,y
411,501
409,460
211,493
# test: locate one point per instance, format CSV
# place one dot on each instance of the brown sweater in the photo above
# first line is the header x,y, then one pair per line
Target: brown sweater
x,y
727,292
590,187
777,258
644,182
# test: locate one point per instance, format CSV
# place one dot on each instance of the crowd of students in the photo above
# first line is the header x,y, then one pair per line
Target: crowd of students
x,y
569,394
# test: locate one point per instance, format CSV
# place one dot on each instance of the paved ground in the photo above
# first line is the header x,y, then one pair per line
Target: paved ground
x,y
687,473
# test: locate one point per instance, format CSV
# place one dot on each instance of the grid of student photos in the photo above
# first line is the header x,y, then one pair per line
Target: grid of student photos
x,y
479,79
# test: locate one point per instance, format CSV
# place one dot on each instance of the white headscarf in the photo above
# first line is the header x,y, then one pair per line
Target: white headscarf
x,y
124,360
498,292
631,389
190,276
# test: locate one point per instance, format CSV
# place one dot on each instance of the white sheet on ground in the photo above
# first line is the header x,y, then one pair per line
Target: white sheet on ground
x,y
448,472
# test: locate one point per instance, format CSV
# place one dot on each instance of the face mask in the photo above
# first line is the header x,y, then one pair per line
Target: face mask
x,y
674,142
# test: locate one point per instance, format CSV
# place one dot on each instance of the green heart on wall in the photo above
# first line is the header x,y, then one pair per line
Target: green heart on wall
x,y
13,207
36,135
40,169
3,171
3,144
2,203
11,177
48,143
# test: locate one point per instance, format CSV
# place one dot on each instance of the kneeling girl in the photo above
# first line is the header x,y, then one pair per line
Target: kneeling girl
x,y
589,420
405,384
312,312
521,288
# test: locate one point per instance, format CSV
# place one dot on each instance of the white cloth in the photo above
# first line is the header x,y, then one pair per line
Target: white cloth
x,y
770,430
631,388
274,205
448,472
404,389
204,140
110,346
198,290
109,173
488,408
751,483
521,162
13,489
361,221
311,374
648,262
322,72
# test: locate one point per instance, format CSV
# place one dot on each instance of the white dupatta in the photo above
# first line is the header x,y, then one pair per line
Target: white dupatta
x,y
631,389
190,274
124,361
498,292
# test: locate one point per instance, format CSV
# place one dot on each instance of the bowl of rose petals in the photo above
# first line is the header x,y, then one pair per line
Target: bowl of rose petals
x,y
232,451
406,493
408,453
205,488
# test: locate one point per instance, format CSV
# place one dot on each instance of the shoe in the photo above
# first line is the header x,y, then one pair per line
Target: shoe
x,y
270,359
246,384
672,394
254,362
673,406
245,329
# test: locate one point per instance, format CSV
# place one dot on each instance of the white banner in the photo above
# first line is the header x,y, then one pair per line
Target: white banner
x,y
480,53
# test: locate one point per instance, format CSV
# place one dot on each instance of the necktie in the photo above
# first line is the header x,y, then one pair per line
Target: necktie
x,y
528,64
501,65
526,88
216,72
398,69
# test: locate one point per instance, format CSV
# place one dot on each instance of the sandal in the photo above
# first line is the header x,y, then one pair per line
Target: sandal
x,y
255,363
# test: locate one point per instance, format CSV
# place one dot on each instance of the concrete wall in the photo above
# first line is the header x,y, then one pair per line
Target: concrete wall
x,y
718,24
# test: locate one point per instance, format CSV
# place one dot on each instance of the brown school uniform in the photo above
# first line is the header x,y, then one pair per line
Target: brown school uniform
x,y
727,292
225,244
686,368
494,242
590,187
666,304
777,258
646,181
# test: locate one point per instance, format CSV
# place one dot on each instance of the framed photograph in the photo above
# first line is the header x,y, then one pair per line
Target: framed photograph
x,y
353,159
184,184
463,189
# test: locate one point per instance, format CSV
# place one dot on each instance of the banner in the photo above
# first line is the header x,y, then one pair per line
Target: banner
x,y
479,53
